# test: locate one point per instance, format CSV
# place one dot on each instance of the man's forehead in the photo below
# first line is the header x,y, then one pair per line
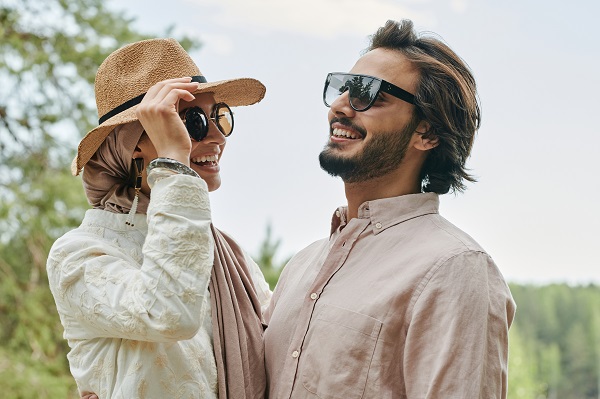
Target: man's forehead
x,y
390,65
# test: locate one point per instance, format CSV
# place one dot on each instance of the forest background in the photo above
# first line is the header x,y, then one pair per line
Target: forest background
x,y
47,68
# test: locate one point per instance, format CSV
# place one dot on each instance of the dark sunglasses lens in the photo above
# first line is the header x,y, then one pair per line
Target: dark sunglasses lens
x,y
362,89
196,123
223,117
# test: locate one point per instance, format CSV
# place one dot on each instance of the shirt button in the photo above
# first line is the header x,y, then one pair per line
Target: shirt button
x,y
314,296
295,354
378,225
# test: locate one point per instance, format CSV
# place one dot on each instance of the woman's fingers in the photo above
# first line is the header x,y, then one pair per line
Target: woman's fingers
x,y
158,86
158,115
166,105
162,94
163,98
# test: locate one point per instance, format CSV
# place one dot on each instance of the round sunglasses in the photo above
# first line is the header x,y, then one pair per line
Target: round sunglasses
x,y
362,90
196,121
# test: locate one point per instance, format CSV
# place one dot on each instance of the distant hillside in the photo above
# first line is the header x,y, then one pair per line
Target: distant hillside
x,y
555,342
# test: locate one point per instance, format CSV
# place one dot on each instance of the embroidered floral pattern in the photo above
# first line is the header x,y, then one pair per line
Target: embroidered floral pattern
x,y
129,298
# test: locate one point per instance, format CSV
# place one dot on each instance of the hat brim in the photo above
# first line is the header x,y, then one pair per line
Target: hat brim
x,y
233,92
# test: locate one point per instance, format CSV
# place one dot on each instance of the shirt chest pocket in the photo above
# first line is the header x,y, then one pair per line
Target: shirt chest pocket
x,y
337,353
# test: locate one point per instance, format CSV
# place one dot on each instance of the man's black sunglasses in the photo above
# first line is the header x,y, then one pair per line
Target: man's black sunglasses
x,y
363,90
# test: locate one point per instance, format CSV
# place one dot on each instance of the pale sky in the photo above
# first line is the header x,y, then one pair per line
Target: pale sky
x,y
534,208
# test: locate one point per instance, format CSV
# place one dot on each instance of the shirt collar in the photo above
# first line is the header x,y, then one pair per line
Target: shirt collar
x,y
387,212
115,221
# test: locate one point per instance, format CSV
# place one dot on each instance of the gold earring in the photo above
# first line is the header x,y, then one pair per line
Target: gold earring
x,y
138,167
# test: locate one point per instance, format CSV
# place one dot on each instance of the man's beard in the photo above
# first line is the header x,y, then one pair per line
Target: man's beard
x,y
380,156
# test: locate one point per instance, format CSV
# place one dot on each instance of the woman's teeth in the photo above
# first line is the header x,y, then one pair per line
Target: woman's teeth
x,y
205,159
345,133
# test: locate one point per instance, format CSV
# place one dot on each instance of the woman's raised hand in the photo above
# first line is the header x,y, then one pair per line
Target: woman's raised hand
x,y
158,114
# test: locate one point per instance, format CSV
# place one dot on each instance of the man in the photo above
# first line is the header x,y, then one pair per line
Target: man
x,y
398,302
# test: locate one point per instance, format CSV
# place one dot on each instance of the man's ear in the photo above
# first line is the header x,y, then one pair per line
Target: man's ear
x,y
425,143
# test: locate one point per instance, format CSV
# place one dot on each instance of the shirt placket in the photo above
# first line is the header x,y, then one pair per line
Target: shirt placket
x,y
335,259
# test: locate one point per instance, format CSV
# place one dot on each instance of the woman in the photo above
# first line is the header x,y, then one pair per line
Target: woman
x,y
154,300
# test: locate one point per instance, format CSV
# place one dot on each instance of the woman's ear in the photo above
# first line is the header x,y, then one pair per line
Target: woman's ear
x,y
137,152
141,147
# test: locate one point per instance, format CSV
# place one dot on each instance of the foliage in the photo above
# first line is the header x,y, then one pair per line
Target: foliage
x,y
555,342
266,258
49,53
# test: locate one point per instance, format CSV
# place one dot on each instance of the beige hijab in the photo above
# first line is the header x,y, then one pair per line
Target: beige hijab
x,y
106,176
237,324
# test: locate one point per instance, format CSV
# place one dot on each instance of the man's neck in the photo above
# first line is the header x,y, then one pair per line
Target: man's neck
x,y
388,186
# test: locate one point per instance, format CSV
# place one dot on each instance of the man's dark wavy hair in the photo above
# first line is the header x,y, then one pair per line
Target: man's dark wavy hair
x,y
446,98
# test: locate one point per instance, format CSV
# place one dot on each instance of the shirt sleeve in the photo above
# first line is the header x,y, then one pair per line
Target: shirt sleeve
x,y
102,292
457,339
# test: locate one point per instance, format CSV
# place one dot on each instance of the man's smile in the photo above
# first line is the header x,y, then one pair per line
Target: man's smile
x,y
343,133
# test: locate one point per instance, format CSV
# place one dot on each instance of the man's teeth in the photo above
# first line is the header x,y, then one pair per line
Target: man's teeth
x,y
345,133
205,158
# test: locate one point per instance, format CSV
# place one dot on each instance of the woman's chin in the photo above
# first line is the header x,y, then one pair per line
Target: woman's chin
x,y
210,174
213,182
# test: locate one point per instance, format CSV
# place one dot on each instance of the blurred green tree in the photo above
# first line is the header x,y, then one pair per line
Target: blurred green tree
x,y
522,367
49,53
559,325
266,257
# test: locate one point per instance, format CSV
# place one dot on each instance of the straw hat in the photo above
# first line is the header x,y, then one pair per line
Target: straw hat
x,y
128,73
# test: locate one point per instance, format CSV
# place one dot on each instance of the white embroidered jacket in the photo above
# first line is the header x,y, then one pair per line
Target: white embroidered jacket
x,y
134,301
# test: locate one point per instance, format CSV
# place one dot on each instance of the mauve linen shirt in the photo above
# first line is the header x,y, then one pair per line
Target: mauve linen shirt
x,y
397,303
